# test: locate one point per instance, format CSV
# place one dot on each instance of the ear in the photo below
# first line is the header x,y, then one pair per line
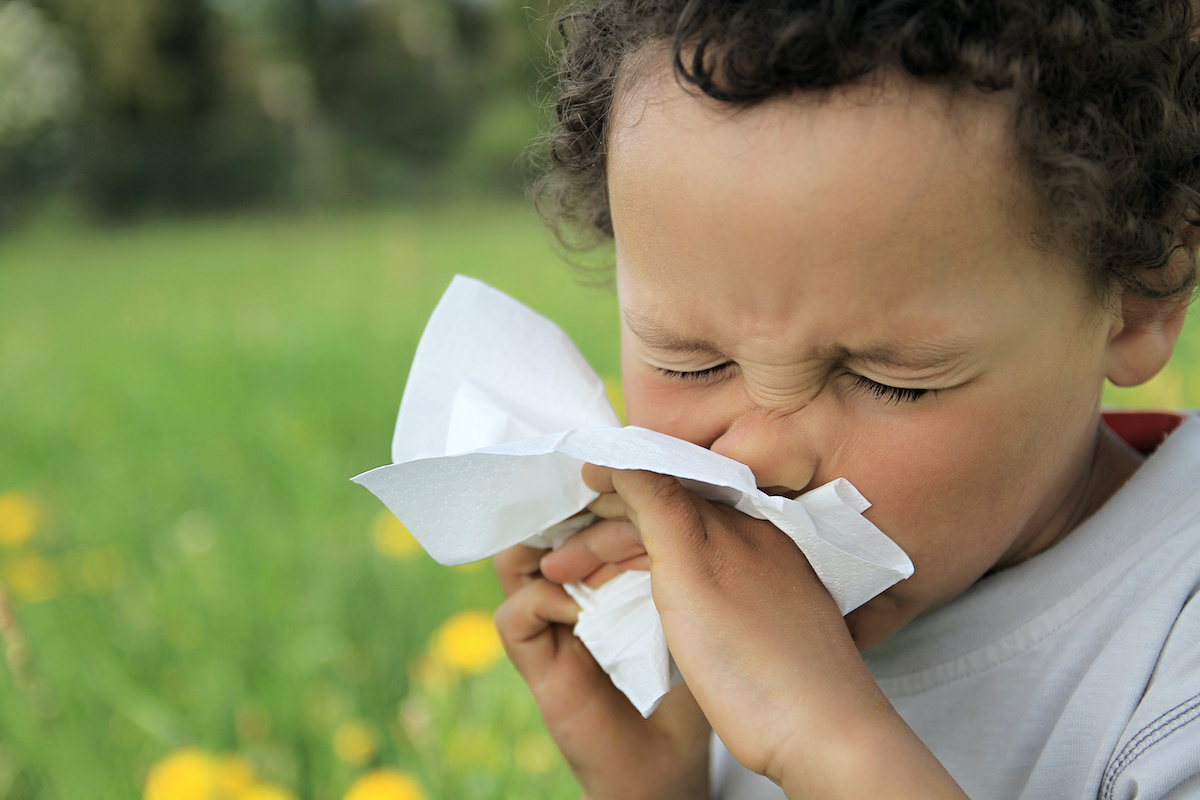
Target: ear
x,y
1142,340
1144,332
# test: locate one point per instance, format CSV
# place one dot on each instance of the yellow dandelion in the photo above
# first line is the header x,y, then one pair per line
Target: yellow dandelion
x,y
354,742
264,791
186,774
385,784
33,579
392,538
18,518
232,776
616,396
467,642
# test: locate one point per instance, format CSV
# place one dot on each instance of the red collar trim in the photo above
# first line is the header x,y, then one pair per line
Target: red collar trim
x,y
1144,431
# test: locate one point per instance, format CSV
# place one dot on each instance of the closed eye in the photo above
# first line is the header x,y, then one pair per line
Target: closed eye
x,y
698,375
891,394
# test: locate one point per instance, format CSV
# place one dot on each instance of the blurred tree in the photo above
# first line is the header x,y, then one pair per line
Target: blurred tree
x,y
158,130
183,105
39,99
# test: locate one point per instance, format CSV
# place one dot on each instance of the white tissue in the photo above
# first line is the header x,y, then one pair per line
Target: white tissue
x,y
499,415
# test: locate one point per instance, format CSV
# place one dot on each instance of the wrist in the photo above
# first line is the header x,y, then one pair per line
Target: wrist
x,y
869,752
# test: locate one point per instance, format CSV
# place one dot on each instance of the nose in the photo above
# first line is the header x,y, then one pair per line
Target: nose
x,y
779,448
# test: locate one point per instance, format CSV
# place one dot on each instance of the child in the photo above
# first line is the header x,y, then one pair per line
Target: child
x,y
903,243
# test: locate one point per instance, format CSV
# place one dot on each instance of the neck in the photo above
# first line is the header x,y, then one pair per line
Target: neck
x,y
1111,464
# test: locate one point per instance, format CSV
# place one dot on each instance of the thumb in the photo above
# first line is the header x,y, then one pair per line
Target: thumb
x,y
668,516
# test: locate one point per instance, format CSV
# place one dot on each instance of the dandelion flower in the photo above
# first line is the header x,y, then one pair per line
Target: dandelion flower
x,y
192,774
354,742
32,578
392,538
265,791
385,784
232,776
18,518
183,775
467,642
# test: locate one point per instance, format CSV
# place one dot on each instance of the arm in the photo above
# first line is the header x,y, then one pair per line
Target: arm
x,y
614,753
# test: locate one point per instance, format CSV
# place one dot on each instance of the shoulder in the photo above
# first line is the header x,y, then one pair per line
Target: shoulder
x,y
1159,750
1158,753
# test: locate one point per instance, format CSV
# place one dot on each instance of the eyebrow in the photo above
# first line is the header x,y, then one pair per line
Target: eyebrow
x,y
657,337
914,355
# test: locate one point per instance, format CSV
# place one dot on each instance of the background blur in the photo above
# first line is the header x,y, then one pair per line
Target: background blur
x,y
137,108
223,224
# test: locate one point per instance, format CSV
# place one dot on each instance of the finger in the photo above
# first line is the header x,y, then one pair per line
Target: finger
x,y
598,479
533,625
666,514
609,571
532,609
613,542
516,566
609,506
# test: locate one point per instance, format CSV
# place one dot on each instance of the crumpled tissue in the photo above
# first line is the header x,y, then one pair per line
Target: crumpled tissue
x,y
499,415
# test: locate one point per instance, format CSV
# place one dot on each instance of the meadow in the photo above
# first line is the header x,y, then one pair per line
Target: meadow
x,y
197,603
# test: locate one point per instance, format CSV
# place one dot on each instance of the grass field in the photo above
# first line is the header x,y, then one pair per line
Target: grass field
x,y
192,576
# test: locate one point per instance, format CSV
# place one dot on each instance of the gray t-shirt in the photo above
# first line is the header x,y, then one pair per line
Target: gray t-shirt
x,y
1073,675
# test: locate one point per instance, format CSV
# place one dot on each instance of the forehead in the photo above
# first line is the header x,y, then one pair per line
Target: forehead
x,y
887,164
888,137
897,204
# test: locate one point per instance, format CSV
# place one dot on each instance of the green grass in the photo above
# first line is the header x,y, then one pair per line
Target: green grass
x,y
186,402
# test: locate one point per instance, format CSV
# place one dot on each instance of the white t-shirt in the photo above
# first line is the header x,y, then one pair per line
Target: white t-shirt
x,y
1073,675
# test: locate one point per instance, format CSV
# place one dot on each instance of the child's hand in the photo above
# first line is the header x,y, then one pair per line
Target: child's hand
x,y
600,552
759,641
614,753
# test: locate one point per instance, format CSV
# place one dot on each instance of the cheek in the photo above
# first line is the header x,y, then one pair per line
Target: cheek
x,y
939,492
959,489
685,411
925,477
651,402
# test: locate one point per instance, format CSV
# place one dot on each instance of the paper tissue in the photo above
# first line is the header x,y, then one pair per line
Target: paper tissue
x,y
500,413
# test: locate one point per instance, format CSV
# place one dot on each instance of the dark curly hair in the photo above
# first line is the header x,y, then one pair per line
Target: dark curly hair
x,y
1106,123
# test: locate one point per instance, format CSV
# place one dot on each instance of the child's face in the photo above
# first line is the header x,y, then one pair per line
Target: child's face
x,y
847,287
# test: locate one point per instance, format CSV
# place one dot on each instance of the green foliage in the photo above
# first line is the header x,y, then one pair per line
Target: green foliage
x,y
39,93
162,107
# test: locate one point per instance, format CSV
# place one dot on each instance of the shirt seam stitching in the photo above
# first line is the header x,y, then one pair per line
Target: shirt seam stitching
x,y
1150,735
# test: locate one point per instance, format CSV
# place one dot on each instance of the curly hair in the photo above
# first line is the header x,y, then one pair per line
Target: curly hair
x,y
1107,122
